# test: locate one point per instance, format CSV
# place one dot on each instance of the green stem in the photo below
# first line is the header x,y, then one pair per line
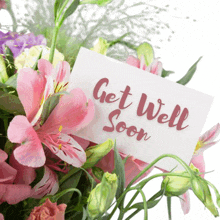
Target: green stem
x,y
129,45
68,175
158,159
61,11
133,214
54,40
112,43
169,207
144,182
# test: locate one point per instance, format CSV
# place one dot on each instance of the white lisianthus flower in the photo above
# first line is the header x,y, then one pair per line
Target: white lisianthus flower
x,y
29,57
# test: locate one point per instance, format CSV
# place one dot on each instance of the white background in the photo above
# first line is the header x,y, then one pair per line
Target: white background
x,y
190,41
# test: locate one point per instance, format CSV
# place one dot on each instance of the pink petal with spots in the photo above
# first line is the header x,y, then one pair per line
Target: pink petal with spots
x,y
47,186
30,87
71,152
14,193
185,202
72,113
131,60
30,152
62,72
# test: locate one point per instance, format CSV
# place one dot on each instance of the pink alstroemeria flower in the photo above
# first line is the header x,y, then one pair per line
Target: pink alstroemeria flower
x,y
1,216
155,67
205,141
72,113
10,192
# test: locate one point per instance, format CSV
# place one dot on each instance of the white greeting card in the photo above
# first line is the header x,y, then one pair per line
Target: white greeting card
x,y
146,114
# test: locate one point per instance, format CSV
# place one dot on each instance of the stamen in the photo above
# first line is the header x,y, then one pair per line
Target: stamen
x,y
60,146
60,128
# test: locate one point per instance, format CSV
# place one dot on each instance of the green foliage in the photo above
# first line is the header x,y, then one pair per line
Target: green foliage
x,y
120,172
189,74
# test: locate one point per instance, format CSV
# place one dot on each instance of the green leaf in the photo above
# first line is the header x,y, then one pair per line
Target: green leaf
x,y
8,147
9,61
35,67
50,104
166,73
57,6
120,172
147,51
12,81
189,74
11,104
72,182
3,71
70,10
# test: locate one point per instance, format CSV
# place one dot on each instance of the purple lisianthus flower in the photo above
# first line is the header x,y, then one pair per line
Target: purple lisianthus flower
x,y
17,43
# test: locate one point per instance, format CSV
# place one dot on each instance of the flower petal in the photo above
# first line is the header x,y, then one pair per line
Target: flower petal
x,y
211,134
7,174
198,161
185,202
25,175
48,184
131,60
30,152
75,112
155,67
14,193
3,156
70,152
62,72
30,87
45,67
82,142
1,216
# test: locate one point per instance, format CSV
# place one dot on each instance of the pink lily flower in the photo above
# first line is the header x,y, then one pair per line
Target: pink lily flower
x,y
155,67
205,141
72,113
9,192
3,4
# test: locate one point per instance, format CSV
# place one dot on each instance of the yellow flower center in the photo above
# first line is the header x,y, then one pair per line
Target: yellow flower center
x,y
198,146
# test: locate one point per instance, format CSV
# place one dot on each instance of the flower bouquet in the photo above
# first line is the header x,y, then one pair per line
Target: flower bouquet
x,y
46,171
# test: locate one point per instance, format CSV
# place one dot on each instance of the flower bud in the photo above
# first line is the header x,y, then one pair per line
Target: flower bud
x,y
201,190
147,51
96,153
102,195
176,185
101,47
